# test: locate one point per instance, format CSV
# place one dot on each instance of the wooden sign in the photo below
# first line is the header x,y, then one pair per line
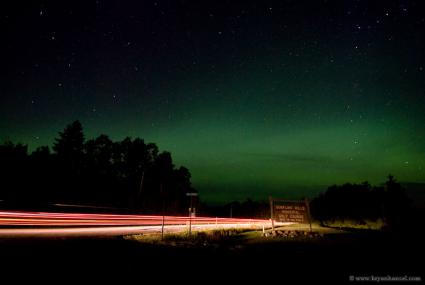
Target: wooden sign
x,y
289,211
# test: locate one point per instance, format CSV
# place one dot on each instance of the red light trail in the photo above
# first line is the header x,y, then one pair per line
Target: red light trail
x,y
38,224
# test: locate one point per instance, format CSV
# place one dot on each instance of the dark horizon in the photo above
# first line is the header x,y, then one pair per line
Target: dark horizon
x,y
46,158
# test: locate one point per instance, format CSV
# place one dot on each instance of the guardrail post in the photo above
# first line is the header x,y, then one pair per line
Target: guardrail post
x,y
162,228
190,224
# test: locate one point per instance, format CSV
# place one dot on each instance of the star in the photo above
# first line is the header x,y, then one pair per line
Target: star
x,y
229,73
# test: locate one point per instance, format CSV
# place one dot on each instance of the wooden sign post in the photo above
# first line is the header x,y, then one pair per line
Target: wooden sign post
x,y
191,211
271,212
307,204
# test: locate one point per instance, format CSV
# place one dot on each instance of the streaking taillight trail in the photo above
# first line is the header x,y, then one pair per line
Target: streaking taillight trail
x,y
20,223
77,219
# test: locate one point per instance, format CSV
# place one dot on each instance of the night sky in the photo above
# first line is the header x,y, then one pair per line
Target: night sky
x,y
261,98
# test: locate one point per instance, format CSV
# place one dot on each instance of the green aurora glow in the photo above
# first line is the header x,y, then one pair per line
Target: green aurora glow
x,y
255,116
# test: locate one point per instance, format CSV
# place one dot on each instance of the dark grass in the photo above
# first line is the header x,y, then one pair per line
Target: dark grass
x,y
332,258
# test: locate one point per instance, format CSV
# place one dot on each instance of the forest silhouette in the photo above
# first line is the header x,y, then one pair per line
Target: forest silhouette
x,y
363,202
348,205
128,174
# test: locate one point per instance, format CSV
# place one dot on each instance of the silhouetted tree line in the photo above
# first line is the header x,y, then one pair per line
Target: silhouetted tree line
x,y
127,174
362,202
236,209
